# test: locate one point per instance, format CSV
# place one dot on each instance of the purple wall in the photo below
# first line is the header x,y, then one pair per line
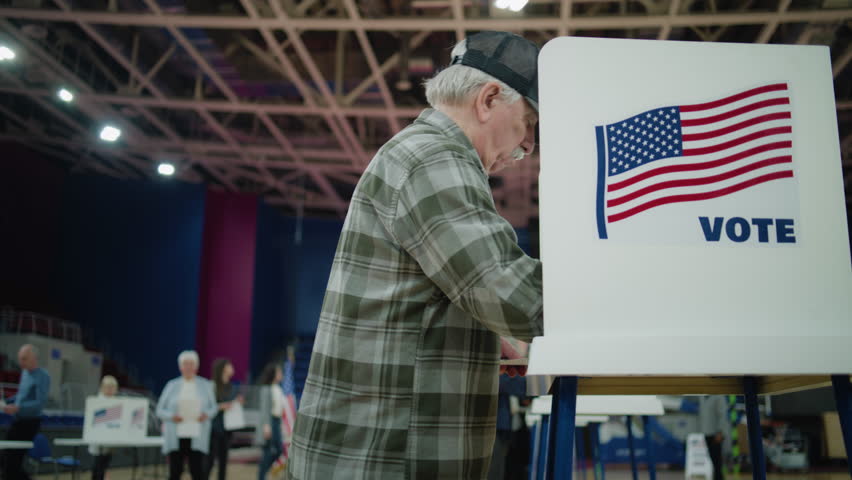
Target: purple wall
x,y
227,280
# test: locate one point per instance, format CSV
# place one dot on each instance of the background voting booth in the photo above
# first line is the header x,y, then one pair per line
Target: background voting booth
x,y
115,419
596,409
114,422
693,230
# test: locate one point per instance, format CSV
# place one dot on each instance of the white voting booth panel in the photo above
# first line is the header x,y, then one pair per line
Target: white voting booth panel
x,y
595,405
692,211
115,419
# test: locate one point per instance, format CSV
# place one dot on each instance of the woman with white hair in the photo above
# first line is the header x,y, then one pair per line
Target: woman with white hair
x,y
189,392
102,455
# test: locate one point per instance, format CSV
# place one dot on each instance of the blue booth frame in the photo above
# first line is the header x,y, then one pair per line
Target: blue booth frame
x,y
558,433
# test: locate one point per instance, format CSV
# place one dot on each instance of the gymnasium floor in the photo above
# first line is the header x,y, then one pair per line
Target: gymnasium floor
x,y
249,472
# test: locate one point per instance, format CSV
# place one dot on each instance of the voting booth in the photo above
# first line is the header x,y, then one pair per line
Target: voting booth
x,y
115,419
693,226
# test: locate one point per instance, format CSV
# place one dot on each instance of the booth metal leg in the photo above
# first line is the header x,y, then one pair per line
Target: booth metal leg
x,y
541,460
631,447
581,454
755,437
535,443
843,399
561,435
600,473
649,448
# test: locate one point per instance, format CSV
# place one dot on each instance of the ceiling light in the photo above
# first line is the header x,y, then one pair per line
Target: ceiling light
x,y
110,133
504,4
517,5
65,95
403,85
6,53
166,169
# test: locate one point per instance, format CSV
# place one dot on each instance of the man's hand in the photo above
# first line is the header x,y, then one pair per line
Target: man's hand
x,y
267,432
718,438
202,418
177,419
507,351
10,409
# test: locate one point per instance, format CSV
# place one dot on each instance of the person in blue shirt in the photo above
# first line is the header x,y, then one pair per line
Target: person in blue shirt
x,y
26,408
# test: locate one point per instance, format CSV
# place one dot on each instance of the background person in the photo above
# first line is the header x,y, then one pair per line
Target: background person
x,y
102,455
189,388
268,433
716,427
226,395
26,407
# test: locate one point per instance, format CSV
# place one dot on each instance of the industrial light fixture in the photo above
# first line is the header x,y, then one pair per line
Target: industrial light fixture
x,y
65,95
166,169
110,133
513,5
6,53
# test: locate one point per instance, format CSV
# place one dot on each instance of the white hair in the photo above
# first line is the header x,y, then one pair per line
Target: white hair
x,y
457,83
109,381
188,355
32,348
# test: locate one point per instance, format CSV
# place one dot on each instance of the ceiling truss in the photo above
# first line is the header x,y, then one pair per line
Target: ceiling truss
x,y
168,80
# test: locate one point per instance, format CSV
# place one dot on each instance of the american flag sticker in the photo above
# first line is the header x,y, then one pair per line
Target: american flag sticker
x,y
106,415
137,420
703,167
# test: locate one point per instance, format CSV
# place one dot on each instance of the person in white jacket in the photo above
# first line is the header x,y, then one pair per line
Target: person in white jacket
x,y
102,455
192,393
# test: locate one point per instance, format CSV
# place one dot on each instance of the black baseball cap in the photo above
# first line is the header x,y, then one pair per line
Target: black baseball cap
x,y
507,57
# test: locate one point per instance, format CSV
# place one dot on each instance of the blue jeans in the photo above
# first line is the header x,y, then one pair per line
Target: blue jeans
x,y
271,449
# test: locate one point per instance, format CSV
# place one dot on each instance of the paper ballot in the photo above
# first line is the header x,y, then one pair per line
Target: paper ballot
x,y
235,418
189,410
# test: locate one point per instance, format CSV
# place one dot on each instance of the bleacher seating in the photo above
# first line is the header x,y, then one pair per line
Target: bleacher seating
x,y
23,322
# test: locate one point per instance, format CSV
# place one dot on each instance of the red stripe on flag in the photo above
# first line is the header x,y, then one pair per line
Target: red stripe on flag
x,y
700,196
733,128
690,182
694,122
733,98
738,141
699,166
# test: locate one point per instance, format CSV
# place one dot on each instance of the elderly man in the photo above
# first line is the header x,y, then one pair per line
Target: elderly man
x,y
26,407
427,277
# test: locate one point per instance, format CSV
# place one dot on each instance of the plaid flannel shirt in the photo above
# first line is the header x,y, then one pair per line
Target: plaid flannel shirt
x,y
427,276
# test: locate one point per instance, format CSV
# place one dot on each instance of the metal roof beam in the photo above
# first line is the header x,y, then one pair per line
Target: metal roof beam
x,y
373,62
210,154
841,61
345,137
390,63
769,29
75,125
309,63
666,30
431,24
221,105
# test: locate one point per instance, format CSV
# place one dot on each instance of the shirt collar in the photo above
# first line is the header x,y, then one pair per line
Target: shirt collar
x,y
440,120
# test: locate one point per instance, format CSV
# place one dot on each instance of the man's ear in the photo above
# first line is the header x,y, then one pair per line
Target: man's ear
x,y
486,100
